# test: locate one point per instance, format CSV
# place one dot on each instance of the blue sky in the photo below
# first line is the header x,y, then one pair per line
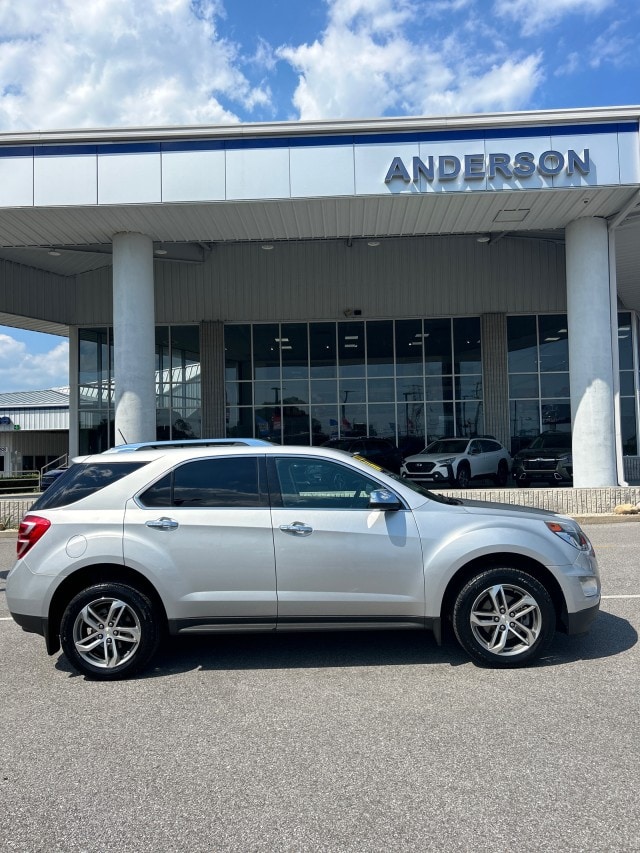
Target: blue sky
x,y
125,63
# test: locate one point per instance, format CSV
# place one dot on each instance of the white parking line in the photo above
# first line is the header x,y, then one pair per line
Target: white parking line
x,y
620,596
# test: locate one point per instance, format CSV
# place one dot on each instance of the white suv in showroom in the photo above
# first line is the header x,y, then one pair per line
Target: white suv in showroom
x,y
458,461
127,547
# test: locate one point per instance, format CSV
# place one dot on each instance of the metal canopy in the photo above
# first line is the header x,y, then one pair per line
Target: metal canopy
x,y
81,237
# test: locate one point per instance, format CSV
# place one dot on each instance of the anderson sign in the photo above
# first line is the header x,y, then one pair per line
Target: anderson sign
x,y
470,167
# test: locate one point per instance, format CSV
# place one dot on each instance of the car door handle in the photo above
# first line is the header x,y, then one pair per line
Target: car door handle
x,y
297,528
163,523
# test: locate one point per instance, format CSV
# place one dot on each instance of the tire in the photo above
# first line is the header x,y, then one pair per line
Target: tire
x,y
109,649
502,474
504,617
463,475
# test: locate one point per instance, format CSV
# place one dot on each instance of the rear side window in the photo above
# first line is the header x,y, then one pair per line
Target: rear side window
x,y
231,482
82,480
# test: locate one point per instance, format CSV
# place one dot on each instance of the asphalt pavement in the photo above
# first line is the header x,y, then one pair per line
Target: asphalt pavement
x,y
342,742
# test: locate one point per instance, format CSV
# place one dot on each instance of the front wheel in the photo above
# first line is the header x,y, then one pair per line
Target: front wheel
x,y
110,631
504,617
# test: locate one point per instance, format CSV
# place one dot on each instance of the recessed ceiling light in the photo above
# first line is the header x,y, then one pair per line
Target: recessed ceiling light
x,y
267,247
373,243
160,250
54,253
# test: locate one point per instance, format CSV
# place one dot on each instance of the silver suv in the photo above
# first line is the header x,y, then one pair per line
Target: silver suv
x,y
126,547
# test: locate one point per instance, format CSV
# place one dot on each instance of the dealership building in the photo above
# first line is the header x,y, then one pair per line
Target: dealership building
x,y
409,278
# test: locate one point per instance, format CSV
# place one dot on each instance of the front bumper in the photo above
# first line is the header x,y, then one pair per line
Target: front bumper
x,y
580,622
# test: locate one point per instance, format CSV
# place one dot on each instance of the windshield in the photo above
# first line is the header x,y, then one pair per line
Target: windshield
x,y
555,441
416,487
447,445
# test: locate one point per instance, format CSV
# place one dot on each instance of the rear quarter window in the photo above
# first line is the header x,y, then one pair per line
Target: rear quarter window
x,y
82,480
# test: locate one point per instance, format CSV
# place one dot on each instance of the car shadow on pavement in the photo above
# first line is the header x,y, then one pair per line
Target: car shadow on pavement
x,y
610,635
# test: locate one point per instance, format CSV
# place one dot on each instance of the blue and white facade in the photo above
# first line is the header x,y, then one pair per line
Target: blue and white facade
x,y
410,278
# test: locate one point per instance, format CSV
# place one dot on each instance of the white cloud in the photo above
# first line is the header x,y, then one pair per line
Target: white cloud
x,y
21,370
366,63
534,17
118,62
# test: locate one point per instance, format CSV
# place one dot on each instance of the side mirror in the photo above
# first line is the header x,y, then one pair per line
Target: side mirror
x,y
384,499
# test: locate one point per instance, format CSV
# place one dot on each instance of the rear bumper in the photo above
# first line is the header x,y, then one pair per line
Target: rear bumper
x,y
31,624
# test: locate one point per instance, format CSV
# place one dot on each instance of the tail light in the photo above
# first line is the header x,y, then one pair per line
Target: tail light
x,y
32,528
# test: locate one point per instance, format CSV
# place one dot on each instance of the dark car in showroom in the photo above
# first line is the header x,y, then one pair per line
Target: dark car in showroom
x,y
547,459
380,451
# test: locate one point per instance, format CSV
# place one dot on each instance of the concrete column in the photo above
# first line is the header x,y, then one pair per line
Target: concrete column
x,y
590,354
134,338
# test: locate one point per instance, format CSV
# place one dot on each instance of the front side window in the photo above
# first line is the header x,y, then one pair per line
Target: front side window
x,y
229,482
318,484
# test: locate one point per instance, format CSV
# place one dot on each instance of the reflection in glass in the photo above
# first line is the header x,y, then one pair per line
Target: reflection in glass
x,y
294,348
351,391
410,388
469,418
295,392
351,349
628,426
466,345
239,422
554,342
381,390
324,423
625,341
237,345
409,347
382,421
266,351
522,344
554,385
324,391
437,347
524,385
322,347
380,348
439,420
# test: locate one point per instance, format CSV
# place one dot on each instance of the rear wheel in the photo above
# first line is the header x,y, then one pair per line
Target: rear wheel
x,y
504,617
110,631
463,475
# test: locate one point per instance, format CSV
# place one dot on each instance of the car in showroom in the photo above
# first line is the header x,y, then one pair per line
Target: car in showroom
x,y
124,549
458,461
380,451
547,459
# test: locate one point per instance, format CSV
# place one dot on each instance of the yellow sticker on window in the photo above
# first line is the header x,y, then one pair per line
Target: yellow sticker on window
x,y
367,462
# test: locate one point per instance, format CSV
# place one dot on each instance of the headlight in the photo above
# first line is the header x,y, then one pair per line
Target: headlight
x,y
446,461
571,533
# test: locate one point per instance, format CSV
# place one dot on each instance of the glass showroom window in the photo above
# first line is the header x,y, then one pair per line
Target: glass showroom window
x,y
539,390
95,390
628,373
303,383
178,397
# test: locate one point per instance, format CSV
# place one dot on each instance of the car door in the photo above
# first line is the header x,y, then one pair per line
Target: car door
x,y
337,561
203,534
